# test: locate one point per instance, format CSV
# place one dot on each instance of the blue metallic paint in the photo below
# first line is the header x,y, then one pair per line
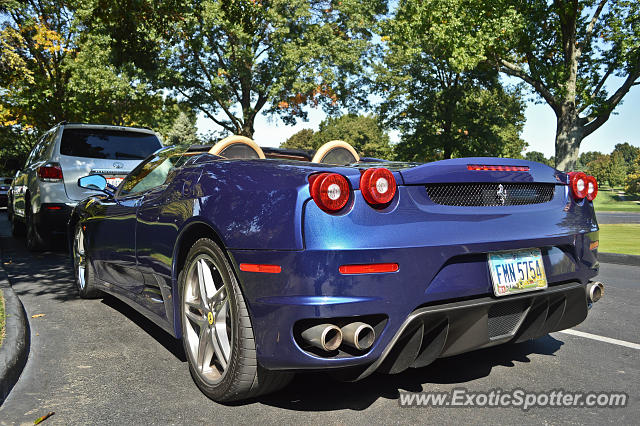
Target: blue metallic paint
x,y
261,211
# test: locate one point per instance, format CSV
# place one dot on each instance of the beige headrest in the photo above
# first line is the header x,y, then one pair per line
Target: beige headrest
x,y
236,139
324,150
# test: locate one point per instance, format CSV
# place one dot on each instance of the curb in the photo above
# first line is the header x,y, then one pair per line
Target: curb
x,y
619,259
15,346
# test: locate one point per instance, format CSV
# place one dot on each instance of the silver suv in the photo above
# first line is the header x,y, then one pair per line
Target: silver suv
x,y
45,191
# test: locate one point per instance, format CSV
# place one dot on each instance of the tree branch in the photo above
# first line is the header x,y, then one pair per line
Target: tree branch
x,y
594,19
516,71
613,101
598,86
207,113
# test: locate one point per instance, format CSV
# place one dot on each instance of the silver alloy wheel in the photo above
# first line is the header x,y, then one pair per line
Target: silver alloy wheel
x,y
79,256
207,318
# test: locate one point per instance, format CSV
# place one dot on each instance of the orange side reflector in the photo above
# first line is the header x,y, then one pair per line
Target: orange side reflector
x,y
594,245
253,267
371,268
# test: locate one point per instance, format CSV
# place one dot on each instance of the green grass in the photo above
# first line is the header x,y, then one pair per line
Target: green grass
x,y
1,318
608,200
620,238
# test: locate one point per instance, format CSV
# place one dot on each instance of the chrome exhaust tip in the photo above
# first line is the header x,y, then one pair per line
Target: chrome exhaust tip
x,y
327,337
358,335
595,291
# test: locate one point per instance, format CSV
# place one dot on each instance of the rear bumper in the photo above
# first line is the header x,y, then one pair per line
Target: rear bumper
x,y
441,289
52,218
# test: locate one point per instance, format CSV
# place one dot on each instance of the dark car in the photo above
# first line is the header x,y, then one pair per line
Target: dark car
x,y
5,184
265,263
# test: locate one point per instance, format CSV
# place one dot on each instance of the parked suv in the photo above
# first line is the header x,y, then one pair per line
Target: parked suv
x,y
45,191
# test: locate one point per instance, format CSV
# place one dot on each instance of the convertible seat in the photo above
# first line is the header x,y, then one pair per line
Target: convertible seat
x,y
336,152
236,146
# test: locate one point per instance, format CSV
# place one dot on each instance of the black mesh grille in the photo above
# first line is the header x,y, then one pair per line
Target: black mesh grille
x,y
504,318
490,194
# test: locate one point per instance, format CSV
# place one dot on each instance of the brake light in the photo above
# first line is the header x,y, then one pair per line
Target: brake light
x,y
330,191
51,172
592,188
485,167
378,186
578,183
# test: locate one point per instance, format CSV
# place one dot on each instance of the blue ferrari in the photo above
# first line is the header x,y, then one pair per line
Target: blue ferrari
x,y
268,261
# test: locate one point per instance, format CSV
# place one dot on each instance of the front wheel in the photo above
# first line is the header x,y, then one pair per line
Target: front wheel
x,y
216,329
85,279
35,241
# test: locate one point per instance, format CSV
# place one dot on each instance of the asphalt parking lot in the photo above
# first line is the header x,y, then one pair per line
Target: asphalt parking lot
x,y
98,361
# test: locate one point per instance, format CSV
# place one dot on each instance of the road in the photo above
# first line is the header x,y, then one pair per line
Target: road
x,y
617,217
98,361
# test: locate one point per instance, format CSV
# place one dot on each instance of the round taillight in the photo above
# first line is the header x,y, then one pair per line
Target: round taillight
x,y
330,191
592,188
578,181
378,186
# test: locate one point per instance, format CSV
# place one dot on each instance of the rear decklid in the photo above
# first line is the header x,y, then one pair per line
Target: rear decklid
x,y
488,169
107,150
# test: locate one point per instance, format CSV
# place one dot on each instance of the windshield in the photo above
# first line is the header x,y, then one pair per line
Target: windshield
x,y
108,144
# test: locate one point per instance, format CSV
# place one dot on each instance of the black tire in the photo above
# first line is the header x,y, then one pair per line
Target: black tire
x,y
34,240
17,227
243,377
82,268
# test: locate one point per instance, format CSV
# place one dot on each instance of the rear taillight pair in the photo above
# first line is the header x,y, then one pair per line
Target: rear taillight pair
x,y
331,191
50,172
583,186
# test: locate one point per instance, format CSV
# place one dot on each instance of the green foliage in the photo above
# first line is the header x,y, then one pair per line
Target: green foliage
x,y
609,168
629,153
232,59
362,132
183,131
537,157
632,181
565,52
299,140
585,158
15,147
440,96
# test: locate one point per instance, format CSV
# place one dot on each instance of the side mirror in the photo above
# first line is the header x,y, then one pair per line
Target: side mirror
x,y
94,182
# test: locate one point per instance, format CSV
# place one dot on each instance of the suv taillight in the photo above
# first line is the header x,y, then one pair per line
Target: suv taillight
x,y
50,172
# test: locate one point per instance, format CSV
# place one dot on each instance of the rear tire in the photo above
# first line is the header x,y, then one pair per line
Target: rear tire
x,y
217,334
82,267
35,241
17,227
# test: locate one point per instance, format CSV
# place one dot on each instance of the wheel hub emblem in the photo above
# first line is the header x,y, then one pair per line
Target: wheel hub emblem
x,y
210,318
501,195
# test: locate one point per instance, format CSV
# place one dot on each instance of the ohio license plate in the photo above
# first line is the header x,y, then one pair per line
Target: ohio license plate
x,y
517,271
115,181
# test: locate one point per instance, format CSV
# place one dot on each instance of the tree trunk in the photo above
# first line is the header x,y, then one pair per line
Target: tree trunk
x,y
569,134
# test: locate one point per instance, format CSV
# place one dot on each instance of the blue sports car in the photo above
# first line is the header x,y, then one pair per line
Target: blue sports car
x,y
270,261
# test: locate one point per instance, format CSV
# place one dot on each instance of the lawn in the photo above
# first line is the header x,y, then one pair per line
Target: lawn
x,y
620,238
1,318
611,200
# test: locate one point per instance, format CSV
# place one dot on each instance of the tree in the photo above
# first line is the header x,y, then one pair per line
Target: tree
x,y
585,158
617,169
629,154
442,107
632,182
183,131
566,51
362,132
299,140
233,59
537,157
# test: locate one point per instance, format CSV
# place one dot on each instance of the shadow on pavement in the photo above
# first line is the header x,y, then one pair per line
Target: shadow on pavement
x,y
319,392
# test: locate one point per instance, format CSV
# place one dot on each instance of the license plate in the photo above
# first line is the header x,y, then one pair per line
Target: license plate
x,y
517,271
115,181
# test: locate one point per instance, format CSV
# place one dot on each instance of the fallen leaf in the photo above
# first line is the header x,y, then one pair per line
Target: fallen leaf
x,y
37,316
43,418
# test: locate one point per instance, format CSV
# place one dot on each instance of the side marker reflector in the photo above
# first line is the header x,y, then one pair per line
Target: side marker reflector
x,y
267,269
371,268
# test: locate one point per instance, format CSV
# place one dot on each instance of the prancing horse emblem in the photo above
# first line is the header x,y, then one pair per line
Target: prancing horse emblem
x,y
501,195
118,165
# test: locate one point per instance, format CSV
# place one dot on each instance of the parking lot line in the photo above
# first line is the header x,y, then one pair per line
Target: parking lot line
x,y
601,338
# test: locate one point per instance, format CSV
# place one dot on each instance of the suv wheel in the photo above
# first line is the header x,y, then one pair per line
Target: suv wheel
x,y
35,242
